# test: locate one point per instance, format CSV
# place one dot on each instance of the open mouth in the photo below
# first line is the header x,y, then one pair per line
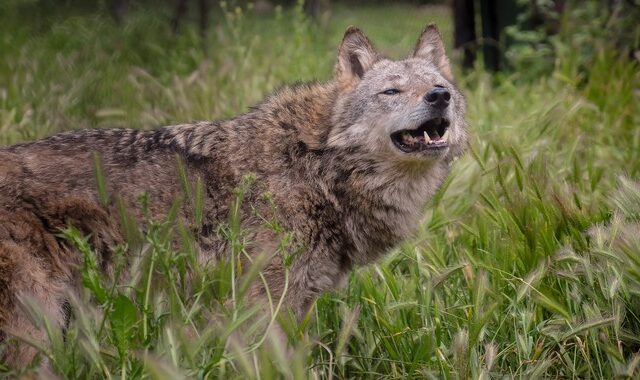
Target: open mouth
x,y
429,136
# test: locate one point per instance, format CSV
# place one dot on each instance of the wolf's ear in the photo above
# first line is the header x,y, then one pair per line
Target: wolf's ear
x,y
355,56
431,48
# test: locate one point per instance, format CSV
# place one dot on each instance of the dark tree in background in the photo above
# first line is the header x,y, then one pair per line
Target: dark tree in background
x,y
495,15
464,30
119,9
182,6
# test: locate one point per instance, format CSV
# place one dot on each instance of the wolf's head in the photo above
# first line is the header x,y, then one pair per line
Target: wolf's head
x,y
406,111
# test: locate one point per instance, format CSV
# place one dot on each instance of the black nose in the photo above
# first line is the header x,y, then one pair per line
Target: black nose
x,y
438,97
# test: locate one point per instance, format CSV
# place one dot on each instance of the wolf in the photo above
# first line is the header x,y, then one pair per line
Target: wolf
x,y
348,164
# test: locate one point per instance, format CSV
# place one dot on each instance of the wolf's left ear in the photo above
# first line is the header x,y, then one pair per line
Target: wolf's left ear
x,y
431,48
355,56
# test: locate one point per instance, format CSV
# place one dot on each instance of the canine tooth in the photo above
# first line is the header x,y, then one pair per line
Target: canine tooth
x,y
426,137
445,135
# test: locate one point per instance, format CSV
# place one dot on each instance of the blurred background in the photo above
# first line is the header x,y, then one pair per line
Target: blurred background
x,y
527,263
143,63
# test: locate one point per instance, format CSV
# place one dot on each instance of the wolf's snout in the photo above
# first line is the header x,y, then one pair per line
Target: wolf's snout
x,y
438,97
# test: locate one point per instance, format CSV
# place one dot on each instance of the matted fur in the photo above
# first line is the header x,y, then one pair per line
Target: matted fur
x,y
323,151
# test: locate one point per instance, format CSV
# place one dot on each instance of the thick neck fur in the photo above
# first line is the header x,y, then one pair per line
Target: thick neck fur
x,y
380,203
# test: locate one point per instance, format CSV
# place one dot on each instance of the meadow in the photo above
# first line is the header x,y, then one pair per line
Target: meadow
x,y
527,264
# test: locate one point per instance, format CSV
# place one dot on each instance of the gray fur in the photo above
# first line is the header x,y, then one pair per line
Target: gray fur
x,y
323,151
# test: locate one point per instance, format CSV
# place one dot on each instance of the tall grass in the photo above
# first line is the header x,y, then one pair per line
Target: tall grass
x,y
527,263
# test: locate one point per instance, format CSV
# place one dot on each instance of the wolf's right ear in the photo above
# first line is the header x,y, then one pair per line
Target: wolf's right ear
x,y
355,56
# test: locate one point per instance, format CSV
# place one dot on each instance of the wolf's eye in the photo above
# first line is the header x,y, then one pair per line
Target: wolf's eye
x,y
391,91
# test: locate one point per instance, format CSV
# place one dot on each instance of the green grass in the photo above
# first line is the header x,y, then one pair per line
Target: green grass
x,y
527,264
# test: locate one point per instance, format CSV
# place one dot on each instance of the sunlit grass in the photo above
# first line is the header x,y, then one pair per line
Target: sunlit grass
x,y
527,263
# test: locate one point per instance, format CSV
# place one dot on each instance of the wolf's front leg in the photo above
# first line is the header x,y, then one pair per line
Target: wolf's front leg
x,y
310,275
293,287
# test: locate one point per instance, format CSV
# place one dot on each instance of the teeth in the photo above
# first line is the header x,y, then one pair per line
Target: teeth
x,y
427,139
445,136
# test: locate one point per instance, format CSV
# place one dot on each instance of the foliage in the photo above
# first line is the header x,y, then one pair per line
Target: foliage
x,y
570,34
527,263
